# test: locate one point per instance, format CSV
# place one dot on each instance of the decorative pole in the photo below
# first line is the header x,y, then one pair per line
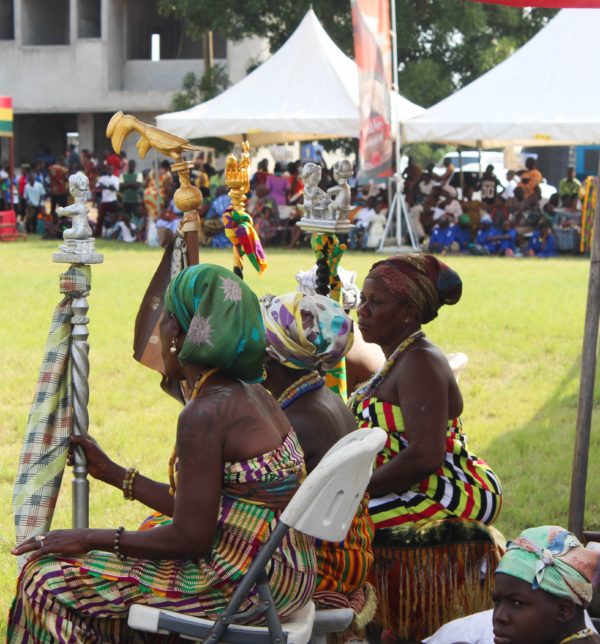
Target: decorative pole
x,y
325,215
79,251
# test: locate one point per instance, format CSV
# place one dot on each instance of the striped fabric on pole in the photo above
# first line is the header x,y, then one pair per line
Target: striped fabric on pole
x,y
547,4
6,116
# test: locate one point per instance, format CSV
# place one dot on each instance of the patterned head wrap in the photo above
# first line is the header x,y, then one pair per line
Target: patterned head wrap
x,y
306,331
221,318
421,279
553,559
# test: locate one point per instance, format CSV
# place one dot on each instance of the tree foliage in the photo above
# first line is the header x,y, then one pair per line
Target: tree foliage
x,y
196,90
442,44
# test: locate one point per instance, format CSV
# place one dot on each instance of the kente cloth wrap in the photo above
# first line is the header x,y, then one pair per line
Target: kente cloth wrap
x,y
44,452
306,331
86,599
240,231
327,247
553,559
343,567
421,280
222,321
429,574
463,487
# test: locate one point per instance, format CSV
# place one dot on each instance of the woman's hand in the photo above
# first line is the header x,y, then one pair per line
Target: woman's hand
x,y
65,542
99,465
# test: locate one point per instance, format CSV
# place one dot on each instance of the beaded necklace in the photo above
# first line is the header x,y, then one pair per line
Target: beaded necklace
x,y
297,389
367,388
199,384
583,634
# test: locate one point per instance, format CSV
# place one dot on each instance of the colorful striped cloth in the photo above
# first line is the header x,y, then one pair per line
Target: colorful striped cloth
x,y
86,599
44,452
463,487
6,116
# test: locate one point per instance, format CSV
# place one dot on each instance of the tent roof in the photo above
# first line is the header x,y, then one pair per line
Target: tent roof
x,y
307,90
544,94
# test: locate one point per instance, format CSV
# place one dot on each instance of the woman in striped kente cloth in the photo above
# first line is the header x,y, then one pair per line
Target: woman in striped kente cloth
x,y
235,466
429,493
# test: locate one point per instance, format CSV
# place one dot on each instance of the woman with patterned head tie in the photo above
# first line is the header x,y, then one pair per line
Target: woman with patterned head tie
x,y
235,466
306,335
425,472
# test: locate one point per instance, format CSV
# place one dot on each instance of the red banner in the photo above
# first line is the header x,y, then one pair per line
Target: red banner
x,y
372,47
547,4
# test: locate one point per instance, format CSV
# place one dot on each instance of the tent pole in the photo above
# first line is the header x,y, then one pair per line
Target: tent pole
x,y
397,142
479,151
11,172
586,387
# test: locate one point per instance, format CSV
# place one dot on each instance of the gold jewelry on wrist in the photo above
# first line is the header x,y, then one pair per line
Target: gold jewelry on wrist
x,y
128,483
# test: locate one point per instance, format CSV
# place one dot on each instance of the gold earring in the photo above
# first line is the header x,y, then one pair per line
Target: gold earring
x,y
173,347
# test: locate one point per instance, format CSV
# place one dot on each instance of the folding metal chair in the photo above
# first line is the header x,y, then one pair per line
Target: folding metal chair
x,y
323,507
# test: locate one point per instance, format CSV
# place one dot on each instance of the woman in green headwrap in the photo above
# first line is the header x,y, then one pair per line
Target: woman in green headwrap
x,y
235,466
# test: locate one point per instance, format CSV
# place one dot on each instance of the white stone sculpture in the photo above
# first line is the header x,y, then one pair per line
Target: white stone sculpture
x,y
340,194
80,229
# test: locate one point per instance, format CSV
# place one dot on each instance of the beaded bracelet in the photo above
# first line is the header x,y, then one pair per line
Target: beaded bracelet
x,y
117,546
128,483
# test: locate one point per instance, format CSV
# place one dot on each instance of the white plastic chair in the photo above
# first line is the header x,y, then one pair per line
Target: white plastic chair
x,y
323,507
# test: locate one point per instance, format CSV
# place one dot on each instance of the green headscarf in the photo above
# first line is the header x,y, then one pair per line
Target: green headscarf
x,y
222,321
553,559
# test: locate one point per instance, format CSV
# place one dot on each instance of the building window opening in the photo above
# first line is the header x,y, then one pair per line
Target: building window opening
x,y
45,23
89,19
7,20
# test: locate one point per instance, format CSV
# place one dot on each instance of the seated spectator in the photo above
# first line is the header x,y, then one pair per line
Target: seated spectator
x,y
213,230
570,188
411,175
424,186
542,243
499,212
511,184
505,240
483,245
362,221
260,176
543,584
462,233
265,214
377,227
448,172
488,187
442,236
551,208
167,224
122,230
450,204
415,211
530,178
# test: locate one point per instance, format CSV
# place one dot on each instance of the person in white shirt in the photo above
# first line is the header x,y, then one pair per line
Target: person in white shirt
x,y
108,183
34,194
362,221
509,188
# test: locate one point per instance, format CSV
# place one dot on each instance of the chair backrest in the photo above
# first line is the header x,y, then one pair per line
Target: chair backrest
x,y
325,504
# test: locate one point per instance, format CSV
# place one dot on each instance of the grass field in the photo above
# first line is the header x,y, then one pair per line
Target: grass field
x,y
520,322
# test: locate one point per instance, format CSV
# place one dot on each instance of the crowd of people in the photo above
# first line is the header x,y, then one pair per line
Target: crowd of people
x,y
257,417
487,217
507,219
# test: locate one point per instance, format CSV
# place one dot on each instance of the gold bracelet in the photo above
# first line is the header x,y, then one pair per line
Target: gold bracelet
x,y
128,483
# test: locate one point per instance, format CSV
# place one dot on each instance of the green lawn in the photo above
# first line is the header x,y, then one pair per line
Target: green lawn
x,y
520,322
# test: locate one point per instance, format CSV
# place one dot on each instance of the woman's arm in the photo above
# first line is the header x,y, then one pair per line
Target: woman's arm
x,y
422,390
190,536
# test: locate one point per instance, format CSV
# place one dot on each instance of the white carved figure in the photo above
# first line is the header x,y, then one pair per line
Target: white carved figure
x,y
316,200
79,188
339,207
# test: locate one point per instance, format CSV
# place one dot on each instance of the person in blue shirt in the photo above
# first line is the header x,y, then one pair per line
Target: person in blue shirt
x,y
504,240
484,245
442,236
462,233
542,243
212,226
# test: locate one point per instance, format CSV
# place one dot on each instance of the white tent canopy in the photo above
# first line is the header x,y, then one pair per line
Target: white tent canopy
x,y
544,94
307,90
